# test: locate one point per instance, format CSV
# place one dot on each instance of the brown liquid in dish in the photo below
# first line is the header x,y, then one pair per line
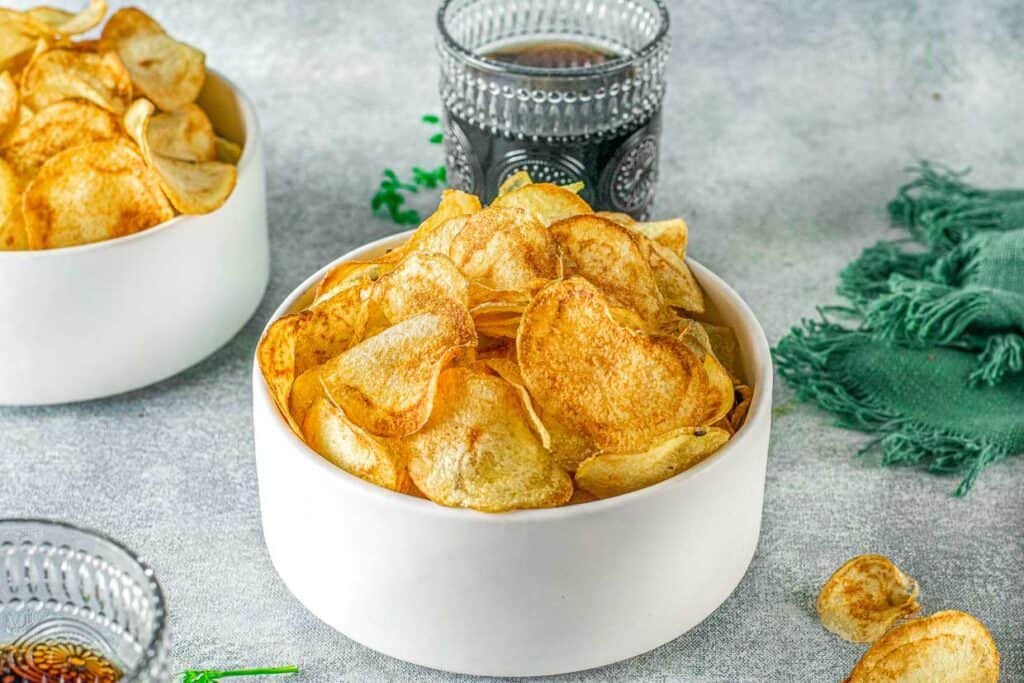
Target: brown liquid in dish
x,y
55,662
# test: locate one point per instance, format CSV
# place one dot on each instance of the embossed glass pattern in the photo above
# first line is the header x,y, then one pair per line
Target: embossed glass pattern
x,y
61,584
595,122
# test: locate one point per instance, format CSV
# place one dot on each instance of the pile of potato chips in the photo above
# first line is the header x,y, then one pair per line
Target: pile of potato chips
x,y
867,595
528,354
101,138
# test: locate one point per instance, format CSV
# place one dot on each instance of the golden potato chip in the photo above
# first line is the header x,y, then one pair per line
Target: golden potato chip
x,y
865,597
332,435
20,34
950,646
692,330
12,228
623,219
421,283
304,340
10,103
738,415
227,151
676,283
60,74
505,249
185,134
609,257
514,182
192,187
169,73
68,24
581,367
478,449
349,274
579,496
304,392
92,192
54,129
721,392
386,384
723,343
546,202
436,233
508,370
673,234
10,191
612,474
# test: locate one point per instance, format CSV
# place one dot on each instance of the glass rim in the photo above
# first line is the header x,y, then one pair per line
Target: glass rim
x,y
604,68
155,641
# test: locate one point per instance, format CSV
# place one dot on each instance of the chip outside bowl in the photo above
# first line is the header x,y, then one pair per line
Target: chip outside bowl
x,y
525,593
99,319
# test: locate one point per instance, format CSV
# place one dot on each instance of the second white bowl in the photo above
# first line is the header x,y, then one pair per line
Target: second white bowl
x,y
99,319
523,593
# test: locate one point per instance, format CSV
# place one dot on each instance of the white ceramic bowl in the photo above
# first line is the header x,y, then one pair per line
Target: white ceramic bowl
x,y
89,321
533,592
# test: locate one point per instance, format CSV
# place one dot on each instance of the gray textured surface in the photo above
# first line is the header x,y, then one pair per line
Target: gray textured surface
x,y
786,127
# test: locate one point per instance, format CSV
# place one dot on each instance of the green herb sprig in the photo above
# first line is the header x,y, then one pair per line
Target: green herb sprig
x,y
389,196
392,193
211,676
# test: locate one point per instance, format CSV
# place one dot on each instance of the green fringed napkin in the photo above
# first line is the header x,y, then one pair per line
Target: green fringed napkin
x,y
917,402
935,369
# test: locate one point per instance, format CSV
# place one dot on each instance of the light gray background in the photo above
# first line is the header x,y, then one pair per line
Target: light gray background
x,y
786,128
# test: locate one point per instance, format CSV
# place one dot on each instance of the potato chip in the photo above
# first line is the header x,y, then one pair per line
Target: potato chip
x,y
581,367
386,384
68,24
612,474
332,435
185,134
192,187
421,283
436,232
950,646
514,182
61,74
623,219
721,392
673,234
303,393
865,597
723,343
16,44
227,151
349,274
609,257
10,103
92,192
478,449
12,227
508,370
546,202
10,191
676,283
579,496
505,249
304,340
169,73
741,406
54,129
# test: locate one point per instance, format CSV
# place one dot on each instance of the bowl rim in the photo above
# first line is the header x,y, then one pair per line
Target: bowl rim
x,y
161,615
253,137
760,408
